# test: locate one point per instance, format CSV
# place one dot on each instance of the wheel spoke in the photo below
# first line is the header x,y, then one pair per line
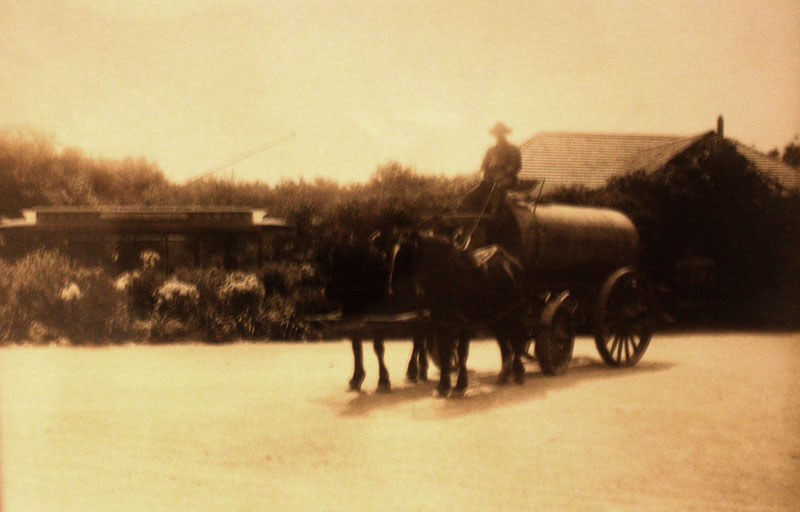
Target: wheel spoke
x,y
619,347
611,344
634,343
627,353
614,345
627,349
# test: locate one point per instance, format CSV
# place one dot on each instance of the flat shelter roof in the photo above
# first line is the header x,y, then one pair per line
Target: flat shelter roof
x,y
144,219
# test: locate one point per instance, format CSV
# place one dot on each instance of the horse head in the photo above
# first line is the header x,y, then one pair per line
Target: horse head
x,y
354,271
417,256
399,248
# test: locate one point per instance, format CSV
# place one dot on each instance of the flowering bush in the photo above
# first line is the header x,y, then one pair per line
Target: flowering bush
x,y
235,304
70,293
45,296
177,301
123,281
149,259
240,299
207,281
141,284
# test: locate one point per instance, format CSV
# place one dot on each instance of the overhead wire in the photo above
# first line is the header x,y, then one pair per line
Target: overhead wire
x,y
240,157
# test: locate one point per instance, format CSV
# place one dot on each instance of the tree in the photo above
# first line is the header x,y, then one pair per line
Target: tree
x,y
791,153
33,172
709,201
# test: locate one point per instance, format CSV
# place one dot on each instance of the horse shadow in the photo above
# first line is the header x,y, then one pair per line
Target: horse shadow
x,y
484,393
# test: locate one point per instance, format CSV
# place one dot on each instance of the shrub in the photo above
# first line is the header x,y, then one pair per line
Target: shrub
x,y
141,284
240,299
33,293
46,296
176,308
6,276
294,289
96,308
232,304
207,281
277,319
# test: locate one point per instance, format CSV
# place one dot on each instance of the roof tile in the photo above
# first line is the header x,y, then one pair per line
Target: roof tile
x,y
590,159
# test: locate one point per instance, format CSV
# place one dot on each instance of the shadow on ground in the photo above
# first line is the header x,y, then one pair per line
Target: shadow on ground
x,y
484,393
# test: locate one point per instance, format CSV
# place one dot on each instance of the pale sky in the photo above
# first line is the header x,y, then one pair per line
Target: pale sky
x,y
191,84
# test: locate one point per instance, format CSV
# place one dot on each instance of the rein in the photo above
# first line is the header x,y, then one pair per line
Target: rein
x,y
468,238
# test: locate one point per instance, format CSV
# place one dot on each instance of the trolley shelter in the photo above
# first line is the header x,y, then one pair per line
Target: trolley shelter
x,y
115,236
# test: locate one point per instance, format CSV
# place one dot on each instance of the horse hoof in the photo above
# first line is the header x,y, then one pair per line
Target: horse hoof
x,y
384,388
410,378
519,379
355,385
441,393
503,379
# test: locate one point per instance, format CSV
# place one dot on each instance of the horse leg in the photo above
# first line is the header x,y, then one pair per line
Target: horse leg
x,y
518,339
358,364
413,369
463,353
519,368
423,356
506,359
445,344
384,386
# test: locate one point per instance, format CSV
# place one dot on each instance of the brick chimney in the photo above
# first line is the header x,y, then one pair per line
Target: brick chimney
x,y
720,126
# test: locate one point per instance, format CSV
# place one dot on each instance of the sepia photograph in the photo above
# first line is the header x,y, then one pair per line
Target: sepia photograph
x,y
399,255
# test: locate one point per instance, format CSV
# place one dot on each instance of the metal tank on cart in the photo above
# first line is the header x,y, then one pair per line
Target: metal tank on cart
x,y
580,267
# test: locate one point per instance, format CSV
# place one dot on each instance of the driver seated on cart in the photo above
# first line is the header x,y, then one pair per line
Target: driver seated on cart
x,y
500,168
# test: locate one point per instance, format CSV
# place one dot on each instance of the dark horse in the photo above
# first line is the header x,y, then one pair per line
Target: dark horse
x,y
462,290
358,273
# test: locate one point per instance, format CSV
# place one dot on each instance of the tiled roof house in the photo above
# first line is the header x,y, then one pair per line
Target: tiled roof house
x,y
590,159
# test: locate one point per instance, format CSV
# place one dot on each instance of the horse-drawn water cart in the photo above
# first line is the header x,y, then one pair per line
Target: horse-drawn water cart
x,y
562,268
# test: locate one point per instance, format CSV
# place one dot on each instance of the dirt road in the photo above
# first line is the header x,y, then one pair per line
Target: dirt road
x,y
704,422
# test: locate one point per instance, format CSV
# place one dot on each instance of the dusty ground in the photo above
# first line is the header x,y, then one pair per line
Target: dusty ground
x,y
704,422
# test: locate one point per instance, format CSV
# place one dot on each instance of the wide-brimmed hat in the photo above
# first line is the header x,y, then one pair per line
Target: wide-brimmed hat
x,y
500,129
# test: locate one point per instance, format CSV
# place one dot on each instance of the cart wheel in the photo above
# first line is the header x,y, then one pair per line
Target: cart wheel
x,y
623,318
556,336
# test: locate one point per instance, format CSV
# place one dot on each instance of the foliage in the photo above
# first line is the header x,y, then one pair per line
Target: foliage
x,y
710,201
791,153
238,304
177,301
45,296
240,298
142,284
33,172
206,281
